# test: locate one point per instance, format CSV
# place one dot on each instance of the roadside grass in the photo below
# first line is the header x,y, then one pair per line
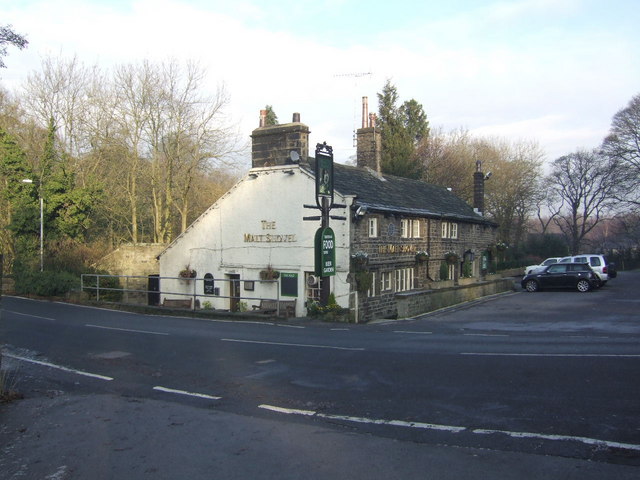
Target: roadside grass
x,y
8,384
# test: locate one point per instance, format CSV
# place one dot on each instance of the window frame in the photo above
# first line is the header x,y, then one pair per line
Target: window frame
x,y
373,227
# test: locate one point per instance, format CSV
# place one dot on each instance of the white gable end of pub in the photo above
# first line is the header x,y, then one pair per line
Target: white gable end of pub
x,y
255,227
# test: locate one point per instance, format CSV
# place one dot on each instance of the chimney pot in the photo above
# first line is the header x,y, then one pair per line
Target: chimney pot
x,y
365,111
296,118
263,118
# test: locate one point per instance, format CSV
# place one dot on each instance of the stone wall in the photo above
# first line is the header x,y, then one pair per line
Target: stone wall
x,y
139,259
414,303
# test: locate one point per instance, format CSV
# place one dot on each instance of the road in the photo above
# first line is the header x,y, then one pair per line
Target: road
x,y
552,374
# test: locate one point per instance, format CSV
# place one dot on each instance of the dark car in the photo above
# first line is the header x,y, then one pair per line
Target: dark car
x,y
562,275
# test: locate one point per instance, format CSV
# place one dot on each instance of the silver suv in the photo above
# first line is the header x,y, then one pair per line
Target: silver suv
x,y
598,263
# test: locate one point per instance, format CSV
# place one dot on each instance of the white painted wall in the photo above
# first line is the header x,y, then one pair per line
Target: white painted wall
x,y
224,240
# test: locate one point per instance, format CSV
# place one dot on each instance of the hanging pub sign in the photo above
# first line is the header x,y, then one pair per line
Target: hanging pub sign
x,y
325,252
324,171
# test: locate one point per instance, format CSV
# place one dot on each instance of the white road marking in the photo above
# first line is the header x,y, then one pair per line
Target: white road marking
x,y
454,429
565,438
29,315
183,392
59,367
413,332
330,347
576,355
126,330
289,326
484,335
396,423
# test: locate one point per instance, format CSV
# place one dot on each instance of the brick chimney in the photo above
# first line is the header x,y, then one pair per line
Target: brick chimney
x,y
369,148
478,188
273,145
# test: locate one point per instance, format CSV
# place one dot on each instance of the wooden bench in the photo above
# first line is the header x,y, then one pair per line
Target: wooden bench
x,y
176,302
287,307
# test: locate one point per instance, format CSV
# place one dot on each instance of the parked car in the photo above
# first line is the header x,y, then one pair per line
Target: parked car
x,y
596,261
562,275
533,268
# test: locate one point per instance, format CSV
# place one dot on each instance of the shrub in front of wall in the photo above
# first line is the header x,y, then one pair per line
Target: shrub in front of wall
x,y
45,284
444,271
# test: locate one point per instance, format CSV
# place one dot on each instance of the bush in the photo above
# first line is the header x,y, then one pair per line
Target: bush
x,y
444,271
45,284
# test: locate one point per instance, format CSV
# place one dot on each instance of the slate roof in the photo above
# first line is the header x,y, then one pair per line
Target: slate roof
x,y
391,194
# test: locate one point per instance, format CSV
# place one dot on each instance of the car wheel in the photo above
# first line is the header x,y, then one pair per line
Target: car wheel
x,y
531,286
583,286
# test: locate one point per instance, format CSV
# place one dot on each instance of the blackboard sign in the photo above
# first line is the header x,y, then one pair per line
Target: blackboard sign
x,y
289,284
208,284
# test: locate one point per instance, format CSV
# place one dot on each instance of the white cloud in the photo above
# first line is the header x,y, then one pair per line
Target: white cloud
x,y
509,69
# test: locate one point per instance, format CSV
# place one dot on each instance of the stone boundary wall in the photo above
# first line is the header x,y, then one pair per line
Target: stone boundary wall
x,y
415,303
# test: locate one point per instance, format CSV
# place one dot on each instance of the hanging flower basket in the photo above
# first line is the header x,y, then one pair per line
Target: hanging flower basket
x,y
187,272
451,257
269,274
360,260
422,256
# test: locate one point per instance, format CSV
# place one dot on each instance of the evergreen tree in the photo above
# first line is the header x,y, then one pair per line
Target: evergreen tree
x,y
272,118
401,129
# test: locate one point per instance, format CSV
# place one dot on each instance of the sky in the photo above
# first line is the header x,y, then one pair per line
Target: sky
x,y
548,71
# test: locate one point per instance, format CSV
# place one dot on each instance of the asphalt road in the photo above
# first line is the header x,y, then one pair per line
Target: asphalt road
x,y
535,378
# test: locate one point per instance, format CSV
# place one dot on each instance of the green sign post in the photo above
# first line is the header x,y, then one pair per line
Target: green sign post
x,y
325,250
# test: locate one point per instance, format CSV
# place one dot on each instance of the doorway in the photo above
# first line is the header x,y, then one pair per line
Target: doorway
x,y
234,291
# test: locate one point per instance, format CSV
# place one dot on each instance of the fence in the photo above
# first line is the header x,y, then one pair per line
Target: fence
x,y
219,294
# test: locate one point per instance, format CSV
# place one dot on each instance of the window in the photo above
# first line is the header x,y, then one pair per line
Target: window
x,y
449,230
410,228
372,290
404,279
385,281
373,227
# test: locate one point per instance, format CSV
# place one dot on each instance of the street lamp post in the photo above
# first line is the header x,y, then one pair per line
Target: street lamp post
x,y
28,180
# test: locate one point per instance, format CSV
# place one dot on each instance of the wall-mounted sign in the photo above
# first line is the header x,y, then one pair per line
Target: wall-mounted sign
x,y
325,252
390,248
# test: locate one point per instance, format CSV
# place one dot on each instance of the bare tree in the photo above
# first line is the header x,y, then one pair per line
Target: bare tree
x,y
586,182
511,191
448,160
623,144
511,196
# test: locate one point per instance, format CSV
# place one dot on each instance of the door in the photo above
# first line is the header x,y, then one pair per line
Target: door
x,y
234,292
555,276
153,290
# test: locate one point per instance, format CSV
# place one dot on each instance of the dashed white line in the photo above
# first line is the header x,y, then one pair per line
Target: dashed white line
x,y
452,428
58,367
29,315
413,332
484,335
551,355
302,345
565,438
126,330
184,392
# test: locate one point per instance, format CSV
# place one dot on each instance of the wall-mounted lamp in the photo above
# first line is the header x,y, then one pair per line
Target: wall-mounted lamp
x,y
488,176
361,211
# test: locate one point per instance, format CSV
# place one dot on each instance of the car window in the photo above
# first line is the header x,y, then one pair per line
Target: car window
x,y
580,259
549,261
578,267
565,260
595,262
556,268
